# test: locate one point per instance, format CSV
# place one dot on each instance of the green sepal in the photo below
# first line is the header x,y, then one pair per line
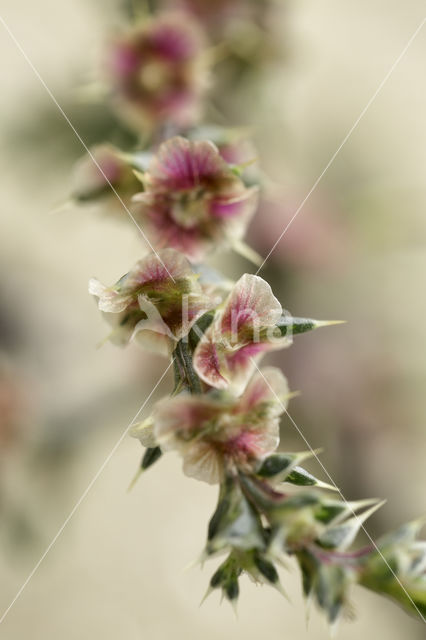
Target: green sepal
x,y
335,511
331,586
342,535
279,465
235,523
226,578
329,583
151,456
303,478
289,326
266,568
261,494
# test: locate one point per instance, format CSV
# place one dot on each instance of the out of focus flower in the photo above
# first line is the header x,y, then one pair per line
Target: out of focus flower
x,y
317,240
240,334
217,433
193,200
96,172
158,301
157,71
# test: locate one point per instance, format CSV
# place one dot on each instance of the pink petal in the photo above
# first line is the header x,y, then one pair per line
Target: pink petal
x,y
224,357
237,205
268,385
240,364
164,231
175,36
179,419
123,59
209,364
182,164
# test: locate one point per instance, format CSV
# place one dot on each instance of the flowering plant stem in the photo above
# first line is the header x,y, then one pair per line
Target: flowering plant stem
x,y
185,376
189,195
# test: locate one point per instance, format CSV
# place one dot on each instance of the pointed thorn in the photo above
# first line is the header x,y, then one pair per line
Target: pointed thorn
x,y
305,455
334,626
233,604
64,206
135,479
309,600
328,323
198,561
279,587
291,395
364,516
206,595
104,341
140,176
324,485
247,252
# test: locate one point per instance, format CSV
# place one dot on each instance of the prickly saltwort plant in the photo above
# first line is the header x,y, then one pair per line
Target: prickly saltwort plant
x,y
190,197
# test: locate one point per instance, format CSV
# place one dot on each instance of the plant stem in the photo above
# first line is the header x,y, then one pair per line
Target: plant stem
x,y
184,371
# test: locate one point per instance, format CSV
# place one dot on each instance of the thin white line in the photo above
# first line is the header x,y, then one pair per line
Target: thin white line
x,y
341,494
346,138
82,142
84,494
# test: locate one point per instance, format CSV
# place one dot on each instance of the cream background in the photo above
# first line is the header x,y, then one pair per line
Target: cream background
x,y
118,568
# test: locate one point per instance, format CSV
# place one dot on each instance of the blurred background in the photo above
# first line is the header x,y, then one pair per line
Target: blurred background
x,y
300,75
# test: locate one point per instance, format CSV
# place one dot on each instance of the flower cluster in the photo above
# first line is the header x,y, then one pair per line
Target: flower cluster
x,y
189,193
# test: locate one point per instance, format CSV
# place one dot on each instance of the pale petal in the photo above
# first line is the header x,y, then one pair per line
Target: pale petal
x,y
153,342
144,431
268,437
200,461
110,301
269,385
96,288
153,321
251,305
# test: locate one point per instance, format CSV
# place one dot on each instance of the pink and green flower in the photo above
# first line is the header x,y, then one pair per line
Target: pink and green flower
x,y
193,201
157,71
156,302
217,433
242,331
